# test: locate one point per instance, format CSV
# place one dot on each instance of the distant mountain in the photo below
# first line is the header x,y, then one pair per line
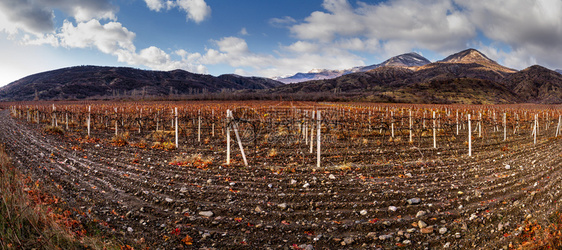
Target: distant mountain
x,y
468,77
104,82
405,60
536,84
315,74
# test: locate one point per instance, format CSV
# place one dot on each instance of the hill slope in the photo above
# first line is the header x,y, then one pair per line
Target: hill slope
x,y
93,81
466,77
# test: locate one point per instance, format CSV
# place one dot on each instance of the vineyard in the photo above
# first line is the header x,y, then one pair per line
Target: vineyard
x,y
299,175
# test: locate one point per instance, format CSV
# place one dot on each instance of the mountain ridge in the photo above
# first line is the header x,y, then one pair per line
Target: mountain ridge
x,y
81,82
468,77
411,59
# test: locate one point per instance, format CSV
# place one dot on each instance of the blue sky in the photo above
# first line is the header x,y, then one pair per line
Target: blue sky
x,y
270,37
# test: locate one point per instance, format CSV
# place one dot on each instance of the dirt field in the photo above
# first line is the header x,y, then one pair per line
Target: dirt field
x,y
440,200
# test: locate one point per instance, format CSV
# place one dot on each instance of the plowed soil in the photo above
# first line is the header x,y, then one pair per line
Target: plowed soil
x,y
136,196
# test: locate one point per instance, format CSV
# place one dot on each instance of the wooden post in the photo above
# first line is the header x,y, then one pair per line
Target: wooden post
x,y
235,127
392,124
199,127
140,119
89,113
228,136
457,117
411,127
177,136
213,125
157,119
504,127
558,127
434,132
370,121
423,121
480,125
469,137
318,134
535,130
305,127
312,133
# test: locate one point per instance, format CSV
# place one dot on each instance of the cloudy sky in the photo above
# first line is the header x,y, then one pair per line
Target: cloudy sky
x,y
270,37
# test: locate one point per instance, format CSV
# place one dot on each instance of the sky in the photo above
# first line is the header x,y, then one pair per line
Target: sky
x,y
270,38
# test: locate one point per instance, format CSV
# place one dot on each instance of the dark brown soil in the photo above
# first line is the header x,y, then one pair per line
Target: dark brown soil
x,y
136,196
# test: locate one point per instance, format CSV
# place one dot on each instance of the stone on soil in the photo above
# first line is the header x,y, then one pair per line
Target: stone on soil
x,y
414,201
206,213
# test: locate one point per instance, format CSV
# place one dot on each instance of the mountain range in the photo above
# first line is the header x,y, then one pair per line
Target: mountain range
x,y
405,60
468,77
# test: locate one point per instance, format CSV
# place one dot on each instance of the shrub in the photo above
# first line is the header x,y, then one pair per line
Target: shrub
x,y
53,130
120,140
194,160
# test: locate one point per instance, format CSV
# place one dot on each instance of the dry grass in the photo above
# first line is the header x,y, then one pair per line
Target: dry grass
x,y
27,220
194,160
120,139
53,130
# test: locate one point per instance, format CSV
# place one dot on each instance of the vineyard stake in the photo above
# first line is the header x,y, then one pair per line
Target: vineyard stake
x,y
213,125
504,128
434,132
53,117
305,128
157,119
176,115
457,123
424,119
312,133
89,112
535,131
318,137
469,137
392,123
480,125
228,136
411,125
235,127
558,127
139,119
199,127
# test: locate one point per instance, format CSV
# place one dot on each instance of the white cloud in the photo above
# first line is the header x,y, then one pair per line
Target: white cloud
x,y
298,57
282,22
532,30
196,10
107,38
38,16
243,31
435,25
27,15
155,5
114,39
302,47
85,10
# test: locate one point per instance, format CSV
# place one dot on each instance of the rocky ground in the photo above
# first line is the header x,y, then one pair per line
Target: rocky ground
x,y
446,201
